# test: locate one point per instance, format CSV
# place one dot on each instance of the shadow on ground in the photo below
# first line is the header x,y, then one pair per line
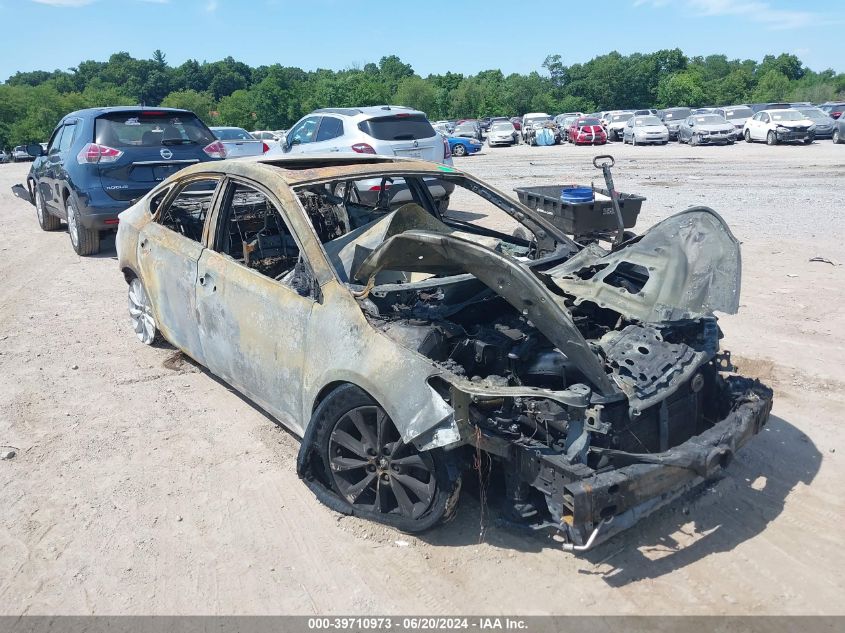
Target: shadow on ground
x,y
716,517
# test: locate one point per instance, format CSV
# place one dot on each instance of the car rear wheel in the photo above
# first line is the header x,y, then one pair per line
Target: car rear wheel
x,y
141,313
459,150
836,138
381,477
46,221
84,241
771,139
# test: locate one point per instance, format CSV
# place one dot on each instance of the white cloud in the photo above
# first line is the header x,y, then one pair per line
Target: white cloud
x,y
754,10
758,11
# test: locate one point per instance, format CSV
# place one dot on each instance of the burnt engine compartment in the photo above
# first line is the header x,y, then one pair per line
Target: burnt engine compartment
x,y
473,333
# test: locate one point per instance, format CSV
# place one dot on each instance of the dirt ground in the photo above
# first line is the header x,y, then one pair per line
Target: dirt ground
x,y
143,485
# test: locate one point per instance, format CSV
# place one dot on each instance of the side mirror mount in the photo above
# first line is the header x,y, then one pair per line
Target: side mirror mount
x,y
35,150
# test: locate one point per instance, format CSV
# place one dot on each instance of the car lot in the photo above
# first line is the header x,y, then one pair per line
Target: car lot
x,y
175,495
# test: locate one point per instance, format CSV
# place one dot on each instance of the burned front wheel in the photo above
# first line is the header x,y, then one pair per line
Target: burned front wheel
x,y
373,470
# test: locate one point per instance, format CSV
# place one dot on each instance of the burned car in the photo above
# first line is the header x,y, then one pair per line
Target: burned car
x,y
402,343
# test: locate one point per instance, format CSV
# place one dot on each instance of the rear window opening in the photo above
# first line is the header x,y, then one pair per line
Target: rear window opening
x,y
409,127
151,129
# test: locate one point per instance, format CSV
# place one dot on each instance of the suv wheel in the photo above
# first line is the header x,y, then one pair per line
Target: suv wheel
x,y
46,221
84,241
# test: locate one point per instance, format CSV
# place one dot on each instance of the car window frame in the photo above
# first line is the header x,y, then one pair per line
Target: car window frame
x,y
215,219
175,188
301,123
323,119
55,140
72,126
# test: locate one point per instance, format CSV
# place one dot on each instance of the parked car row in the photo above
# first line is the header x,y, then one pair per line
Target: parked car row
x,y
99,160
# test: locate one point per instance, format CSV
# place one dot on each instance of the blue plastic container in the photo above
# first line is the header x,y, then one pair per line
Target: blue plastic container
x,y
577,194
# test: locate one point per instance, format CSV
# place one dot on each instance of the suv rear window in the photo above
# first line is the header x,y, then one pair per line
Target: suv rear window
x,y
402,127
151,129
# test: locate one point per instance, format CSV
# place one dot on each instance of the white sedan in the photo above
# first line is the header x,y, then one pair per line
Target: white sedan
x,y
779,126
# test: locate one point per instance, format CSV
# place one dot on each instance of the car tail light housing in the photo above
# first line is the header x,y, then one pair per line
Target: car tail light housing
x,y
363,148
447,150
265,147
215,149
93,153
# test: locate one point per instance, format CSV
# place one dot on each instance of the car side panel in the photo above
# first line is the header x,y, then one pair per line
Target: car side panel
x,y
345,347
254,333
168,268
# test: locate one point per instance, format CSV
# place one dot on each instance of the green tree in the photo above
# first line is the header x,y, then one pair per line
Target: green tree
x,y
680,89
773,86
238,110
417,93
200,103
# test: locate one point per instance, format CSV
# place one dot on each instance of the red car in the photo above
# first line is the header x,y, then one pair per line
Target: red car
x,y
517,122
587,130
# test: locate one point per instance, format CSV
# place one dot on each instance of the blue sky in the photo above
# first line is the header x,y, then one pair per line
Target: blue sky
x,y
433,36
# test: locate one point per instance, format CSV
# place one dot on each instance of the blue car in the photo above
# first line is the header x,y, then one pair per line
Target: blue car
x,y
462,146
99,160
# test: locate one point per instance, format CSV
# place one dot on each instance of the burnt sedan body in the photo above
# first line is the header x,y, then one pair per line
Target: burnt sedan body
x,y
402,343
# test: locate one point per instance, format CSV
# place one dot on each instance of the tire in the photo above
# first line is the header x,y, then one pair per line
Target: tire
x,y
808,141
141,313
361,452
747,136
771,139
633,140
836,138
84,241
459,150
692,141
46,220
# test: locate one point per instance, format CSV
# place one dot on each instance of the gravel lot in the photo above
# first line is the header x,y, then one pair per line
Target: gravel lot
x,y
143,485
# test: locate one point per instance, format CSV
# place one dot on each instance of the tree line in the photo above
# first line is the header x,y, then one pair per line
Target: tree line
x,y
230,92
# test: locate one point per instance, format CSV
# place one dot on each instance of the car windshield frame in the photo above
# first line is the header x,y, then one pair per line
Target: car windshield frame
x,y
786,115
738,113
709,119
502,126
646,120
814,114
618,118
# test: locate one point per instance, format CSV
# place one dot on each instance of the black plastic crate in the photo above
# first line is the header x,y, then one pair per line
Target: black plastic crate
x,y
581,218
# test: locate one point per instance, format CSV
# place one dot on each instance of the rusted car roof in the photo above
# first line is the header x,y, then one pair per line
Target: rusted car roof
x,y
304,168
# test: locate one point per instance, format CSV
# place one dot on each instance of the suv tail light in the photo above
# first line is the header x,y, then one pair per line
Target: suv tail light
x,y
215,149
447,150
363,148
93,153
266,148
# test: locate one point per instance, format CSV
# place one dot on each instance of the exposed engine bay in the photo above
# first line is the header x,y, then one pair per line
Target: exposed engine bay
x,y
581,370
